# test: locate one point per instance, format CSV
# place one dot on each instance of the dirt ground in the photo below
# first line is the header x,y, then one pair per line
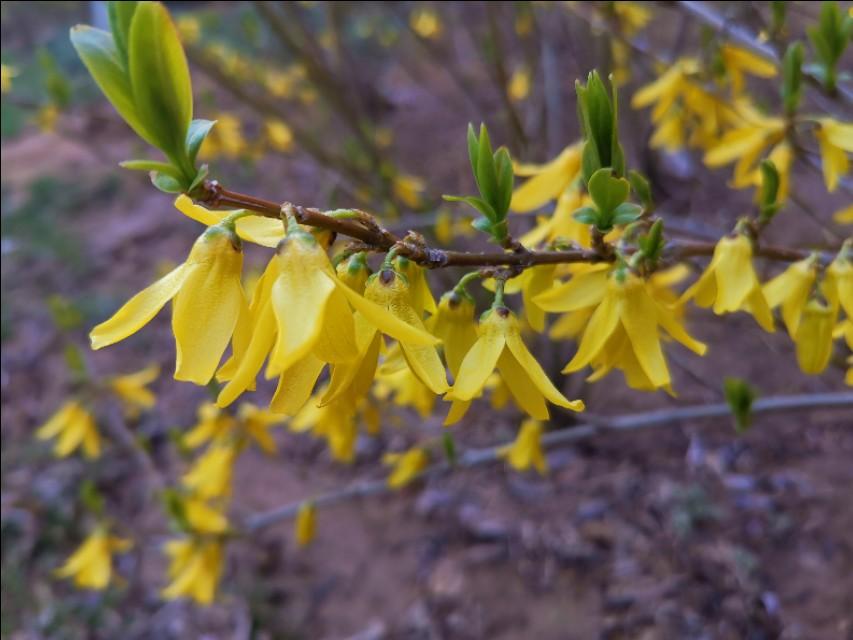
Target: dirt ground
x,y
687,531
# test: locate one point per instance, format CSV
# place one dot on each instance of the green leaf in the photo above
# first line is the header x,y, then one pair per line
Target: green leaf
x,y
769,187
740,397
195,136
151,165
98,52
473,149
503,163
586,215
651,244
121,15
625,213
487,179
792,75
160,78
166,183
449,447
598,112
482,224
478,203
607,192
199,178
778,14
641,188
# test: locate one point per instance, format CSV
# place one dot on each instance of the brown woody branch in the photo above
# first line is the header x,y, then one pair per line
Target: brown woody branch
x,y
412,246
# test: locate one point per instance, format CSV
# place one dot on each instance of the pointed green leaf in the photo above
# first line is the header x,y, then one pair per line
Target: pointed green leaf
x,y
503,163
151,165
121,15
641,188
479,204
487,179
195,136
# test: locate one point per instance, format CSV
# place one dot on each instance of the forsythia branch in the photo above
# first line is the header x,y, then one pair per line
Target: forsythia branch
x,y
630,422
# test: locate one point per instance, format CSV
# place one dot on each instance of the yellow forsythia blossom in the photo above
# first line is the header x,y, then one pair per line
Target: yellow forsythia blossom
x,y
263,231
333,421
844,215
626,328
739,61
526,450
814,337
278,135
73,427
202,517
91,565
408,190
791,290
225,139
210,475
546,181
561,224
519,84
836,143
306,524
454,324
256,424
406,466
207,299
730,283
838,281
195,568
426,23
213,425
500,346
419,292
133,389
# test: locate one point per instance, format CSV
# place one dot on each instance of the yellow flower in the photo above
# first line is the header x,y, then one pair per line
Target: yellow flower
x,y
738,61
278,135
91,565
225,139
7,72
354,272
844,215
519,85
73,426
838,281
526,450
730,284
306,524
546,181
267,232
388,310
813,337
334,422
500,345
523,23
210,475
836,142
195,568
632,16
214,425
419,292
396,379
624,330
203,518
561,224
46,118
189,27
256,423
133,391
454,325
208,298
426,23
406,466
791,289
667,89
409,190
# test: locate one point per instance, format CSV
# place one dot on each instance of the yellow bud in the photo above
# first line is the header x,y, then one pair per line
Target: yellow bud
x,y
814,337
306,524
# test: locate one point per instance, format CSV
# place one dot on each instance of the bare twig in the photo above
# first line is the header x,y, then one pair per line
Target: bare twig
x,y
632,422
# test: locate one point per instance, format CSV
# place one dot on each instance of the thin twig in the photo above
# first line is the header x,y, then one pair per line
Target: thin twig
x,y
632,422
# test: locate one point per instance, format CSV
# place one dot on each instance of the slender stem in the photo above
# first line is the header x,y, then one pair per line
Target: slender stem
x,y
631,422
380,239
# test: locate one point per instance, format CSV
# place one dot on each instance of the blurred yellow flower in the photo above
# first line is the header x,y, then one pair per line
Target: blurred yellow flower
x,y
306,524
519,85
546,181
202,517
278,135
210,475
7,72
738,61
426,23
74,427
526,451
836,142
406,466
91,565
791,290
813,336
133,389
195,568
409,190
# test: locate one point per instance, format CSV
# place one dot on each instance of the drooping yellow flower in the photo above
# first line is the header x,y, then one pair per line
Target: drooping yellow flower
x,y
390,311
791,290
837,284
256,424
730,283
426,23
813,337
419,291
133,391
561,224
836,143
74,427
7,72
454,325
625,329
500,346
519,84
195,568
667,89
546,181
739,61
214,425
526,450
306,524
409,190
396,381
91,565
278,135
333,421
210,475
406,466
203,518
207,299
267,232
